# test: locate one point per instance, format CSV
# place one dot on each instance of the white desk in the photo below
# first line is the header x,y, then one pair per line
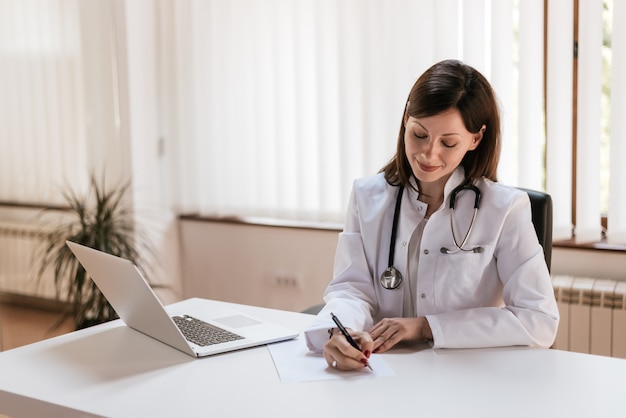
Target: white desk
x,y
111,370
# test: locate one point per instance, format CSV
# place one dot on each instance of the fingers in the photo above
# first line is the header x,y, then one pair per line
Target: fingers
x,y
387,333
385,340
365,342
379,330
330,360
339,354
344,363
390,331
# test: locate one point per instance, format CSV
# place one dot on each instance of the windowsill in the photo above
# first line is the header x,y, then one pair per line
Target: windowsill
x,y
261,221
330,226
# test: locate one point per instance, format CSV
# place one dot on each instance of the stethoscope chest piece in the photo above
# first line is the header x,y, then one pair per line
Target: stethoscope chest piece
x,y
391,278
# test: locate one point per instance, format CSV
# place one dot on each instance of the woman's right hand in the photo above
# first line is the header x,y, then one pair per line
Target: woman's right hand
x,y
341,355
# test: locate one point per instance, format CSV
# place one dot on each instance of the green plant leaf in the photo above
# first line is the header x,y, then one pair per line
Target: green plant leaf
x,y
98,219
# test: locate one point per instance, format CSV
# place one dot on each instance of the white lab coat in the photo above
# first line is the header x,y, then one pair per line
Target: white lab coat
x,y
502,296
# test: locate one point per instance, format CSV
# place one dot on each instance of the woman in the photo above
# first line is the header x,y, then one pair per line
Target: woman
x,y
466,282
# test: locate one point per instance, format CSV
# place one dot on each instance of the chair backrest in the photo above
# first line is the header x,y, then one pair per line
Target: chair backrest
x,y
1,345
541,206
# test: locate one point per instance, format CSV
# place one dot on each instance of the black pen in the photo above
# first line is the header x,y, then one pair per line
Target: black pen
x,y
344,331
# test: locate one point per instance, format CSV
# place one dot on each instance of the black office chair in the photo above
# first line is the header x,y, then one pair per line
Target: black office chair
x,y
541,208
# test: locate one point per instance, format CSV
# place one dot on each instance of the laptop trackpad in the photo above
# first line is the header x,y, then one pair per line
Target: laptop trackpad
x,y
237,321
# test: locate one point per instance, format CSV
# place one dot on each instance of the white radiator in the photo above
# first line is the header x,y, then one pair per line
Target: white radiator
x,y
18,272
593,315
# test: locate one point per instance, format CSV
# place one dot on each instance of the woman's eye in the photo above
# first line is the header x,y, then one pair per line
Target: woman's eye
x,y
420,136
448,145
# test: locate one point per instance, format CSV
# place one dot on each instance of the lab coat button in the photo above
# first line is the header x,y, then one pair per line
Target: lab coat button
x,y
423,295
404,243
426,251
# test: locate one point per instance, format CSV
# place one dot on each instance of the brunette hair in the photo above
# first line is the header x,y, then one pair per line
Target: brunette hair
x,y
453,84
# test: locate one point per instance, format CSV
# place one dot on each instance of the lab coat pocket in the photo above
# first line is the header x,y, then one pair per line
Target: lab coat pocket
x,y
462,278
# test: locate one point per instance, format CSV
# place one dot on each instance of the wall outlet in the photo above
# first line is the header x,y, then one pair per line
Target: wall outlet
x,y
287,281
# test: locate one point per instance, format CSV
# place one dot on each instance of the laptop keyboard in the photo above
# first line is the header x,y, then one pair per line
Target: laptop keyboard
x,y
201,333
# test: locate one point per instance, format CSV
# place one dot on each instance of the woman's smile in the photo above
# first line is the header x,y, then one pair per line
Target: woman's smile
x,y
427,168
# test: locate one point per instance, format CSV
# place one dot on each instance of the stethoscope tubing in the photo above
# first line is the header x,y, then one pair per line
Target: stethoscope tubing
x,y
394,226
453,195
391,277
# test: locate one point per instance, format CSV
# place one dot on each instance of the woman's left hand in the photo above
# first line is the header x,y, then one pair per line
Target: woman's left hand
x,y
390,331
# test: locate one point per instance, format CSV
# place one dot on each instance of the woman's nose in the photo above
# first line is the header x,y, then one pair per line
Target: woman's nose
x,y
428,149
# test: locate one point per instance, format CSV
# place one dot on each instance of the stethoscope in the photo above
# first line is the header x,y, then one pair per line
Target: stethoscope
x,y
391,277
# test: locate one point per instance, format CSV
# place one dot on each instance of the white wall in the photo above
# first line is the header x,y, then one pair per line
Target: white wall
x,y
289,268
275,267
589,263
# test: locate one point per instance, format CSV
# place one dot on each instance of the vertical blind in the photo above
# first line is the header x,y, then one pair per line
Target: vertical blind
x,y
41,110
273,107
588,126
59,120
559,117
616,228
279,105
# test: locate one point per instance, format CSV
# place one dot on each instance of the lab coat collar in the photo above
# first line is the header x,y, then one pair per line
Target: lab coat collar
x,y
455,180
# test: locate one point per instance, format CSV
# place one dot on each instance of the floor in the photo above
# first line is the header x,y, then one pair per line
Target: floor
x,y
20,325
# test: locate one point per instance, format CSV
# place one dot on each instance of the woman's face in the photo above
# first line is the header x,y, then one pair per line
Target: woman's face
x,y
436,145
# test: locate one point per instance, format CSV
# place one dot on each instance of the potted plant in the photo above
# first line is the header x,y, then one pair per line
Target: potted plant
x,y
98,220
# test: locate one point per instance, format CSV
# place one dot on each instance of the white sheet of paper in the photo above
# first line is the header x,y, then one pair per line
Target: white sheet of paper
x,y
295,363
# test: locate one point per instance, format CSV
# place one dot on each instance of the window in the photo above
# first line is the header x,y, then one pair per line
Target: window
x,y
584,163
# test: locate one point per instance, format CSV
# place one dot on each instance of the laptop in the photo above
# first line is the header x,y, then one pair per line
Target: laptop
x,y
221,329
